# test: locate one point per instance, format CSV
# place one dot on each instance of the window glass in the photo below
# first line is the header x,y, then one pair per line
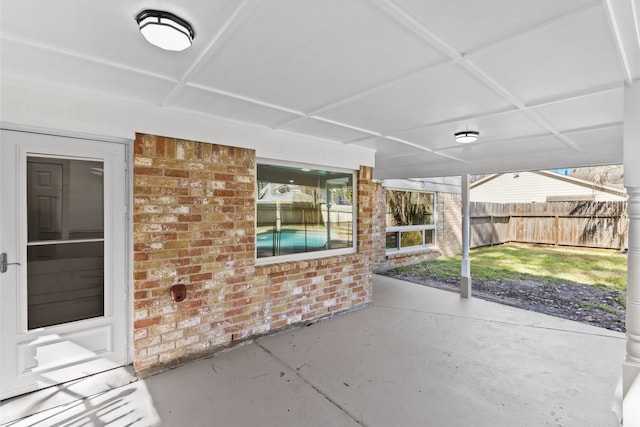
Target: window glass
x,y
410,219
410,238
428,237
65,251
392,241
301,210
409,208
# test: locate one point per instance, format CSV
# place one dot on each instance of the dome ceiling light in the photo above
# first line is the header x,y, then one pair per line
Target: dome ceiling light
x,y
467,136
165,30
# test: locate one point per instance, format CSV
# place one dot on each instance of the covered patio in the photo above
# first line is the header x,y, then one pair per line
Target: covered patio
x,y
374,90
418,356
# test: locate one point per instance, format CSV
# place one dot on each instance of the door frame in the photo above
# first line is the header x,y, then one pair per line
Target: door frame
x,y
127,259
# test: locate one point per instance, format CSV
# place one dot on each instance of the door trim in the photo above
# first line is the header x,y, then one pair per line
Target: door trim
x,y
17,127
128,223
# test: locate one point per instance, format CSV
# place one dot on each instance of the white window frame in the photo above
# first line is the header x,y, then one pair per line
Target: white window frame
x,y
399,229
302,256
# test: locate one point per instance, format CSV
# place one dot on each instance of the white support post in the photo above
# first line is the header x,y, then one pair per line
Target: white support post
x,y
465,276
631,366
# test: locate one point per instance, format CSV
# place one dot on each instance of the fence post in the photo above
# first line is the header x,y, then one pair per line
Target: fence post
x,y
556,230
491,230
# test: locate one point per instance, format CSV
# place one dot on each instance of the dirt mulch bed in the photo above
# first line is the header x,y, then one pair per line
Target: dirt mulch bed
x,y
583,303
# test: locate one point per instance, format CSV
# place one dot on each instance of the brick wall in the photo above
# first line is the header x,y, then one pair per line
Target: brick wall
x,y
449,227
379,227
194,224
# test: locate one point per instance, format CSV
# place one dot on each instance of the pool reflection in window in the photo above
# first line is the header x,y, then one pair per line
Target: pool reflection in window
x,y
301,210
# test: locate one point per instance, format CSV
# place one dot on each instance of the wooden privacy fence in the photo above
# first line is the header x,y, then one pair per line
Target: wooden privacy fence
x,y
589,224
302,213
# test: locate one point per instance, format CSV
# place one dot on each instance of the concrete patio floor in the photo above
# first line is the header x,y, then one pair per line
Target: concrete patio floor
x,y
417,357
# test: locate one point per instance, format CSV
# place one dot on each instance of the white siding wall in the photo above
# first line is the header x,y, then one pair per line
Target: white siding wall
x,y
527,187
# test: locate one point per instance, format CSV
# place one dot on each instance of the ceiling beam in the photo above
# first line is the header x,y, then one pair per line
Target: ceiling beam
x,y
550,101
428,150
406,20
246,99
531,28
379,86
226,29
411,24
86,58
615,22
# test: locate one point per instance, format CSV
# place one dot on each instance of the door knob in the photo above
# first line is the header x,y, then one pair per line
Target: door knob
x,y
4,263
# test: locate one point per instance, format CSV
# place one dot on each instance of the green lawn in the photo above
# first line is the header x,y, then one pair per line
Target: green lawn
x,y
599,267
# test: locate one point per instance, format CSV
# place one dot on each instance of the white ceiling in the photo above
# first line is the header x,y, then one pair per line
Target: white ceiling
x,y
542,81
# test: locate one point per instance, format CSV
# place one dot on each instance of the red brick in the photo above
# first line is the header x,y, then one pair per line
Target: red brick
x,y
189,303
309,315
176,262
233,329
236,279
176,173
201,242
138,146
223,177
278,324
241,302
226,226
162,237
140,275
188,270
200,277
144,303
140,295
224,193
226,292
147,285
234,312
234,295
194,252
140,256
176,191
174,227
145,323
141,247
139,170
160,147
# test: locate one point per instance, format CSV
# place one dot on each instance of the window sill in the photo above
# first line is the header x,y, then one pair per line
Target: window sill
x,y
304,256
398,253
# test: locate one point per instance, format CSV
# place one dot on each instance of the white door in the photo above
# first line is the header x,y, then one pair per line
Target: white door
x,y
63,263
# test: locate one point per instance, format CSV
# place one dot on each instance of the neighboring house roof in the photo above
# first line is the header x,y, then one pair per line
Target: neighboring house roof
x,y
272,193
540,187
444,184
